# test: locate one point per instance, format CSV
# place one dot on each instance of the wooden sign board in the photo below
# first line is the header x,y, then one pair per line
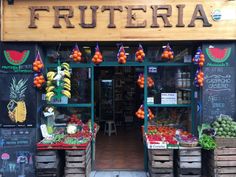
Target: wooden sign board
x,y
121,20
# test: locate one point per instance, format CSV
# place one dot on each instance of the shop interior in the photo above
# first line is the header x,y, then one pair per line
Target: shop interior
x,y
118,96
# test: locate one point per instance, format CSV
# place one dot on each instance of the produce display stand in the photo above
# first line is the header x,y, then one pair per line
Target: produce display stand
x,y
48,163
189,162
77,159
78,162
161,162
220,163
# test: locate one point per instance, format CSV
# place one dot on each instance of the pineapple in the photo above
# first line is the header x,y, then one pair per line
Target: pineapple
x,y
17,96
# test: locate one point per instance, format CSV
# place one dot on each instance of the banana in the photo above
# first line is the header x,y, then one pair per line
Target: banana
x,y
67,87
50,75
50,88
65,65
49,83
49,95
66,80
67,73
66,93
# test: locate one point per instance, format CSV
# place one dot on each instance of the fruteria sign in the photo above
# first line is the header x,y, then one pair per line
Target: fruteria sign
x,y
94,20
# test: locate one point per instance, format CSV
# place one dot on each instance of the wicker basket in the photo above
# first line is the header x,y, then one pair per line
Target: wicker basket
x,y
185,144
225,142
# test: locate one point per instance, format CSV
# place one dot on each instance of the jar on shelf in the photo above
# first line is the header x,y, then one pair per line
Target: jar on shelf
x,y
184,75
188,83
178,74
189,97
179,101
179,83
185,99
188,75
184,85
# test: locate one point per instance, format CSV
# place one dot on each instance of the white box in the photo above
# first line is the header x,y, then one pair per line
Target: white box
x,y
168,98
62,100
150,100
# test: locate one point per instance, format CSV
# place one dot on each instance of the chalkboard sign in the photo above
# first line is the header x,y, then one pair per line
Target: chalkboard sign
x,y
18,100
218,92
17,151
17,57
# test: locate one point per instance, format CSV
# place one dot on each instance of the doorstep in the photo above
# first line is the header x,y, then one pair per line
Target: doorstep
x,y
116,173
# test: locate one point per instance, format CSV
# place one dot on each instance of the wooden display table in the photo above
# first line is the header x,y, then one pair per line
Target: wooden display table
x,y
78,160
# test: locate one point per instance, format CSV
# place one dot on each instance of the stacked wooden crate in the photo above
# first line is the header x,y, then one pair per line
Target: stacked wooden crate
x,y
161,162
189,162
47,164
78,163
221,162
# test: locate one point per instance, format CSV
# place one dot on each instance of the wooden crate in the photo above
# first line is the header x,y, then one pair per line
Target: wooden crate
x,y
47,164
222,162
161,162
189,162
78,163
46,160
225,142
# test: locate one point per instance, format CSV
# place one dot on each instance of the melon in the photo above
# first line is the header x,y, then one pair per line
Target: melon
x,y
14,57
218,55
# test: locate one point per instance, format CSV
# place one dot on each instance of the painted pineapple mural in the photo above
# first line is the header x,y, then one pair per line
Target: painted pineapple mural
x,y
16,107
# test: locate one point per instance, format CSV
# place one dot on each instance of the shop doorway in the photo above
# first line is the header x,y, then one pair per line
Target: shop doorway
x,y
117,97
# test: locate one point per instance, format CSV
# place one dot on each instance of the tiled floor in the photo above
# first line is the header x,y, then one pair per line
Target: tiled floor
x,y
124,151
118,174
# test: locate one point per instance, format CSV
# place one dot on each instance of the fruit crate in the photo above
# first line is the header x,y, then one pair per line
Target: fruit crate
x,y
47,164
225,142
78,162
220,163
189,162
160,162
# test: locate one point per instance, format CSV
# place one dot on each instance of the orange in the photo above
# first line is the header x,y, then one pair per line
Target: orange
x,y
95,56
142,54
79,54
100,56
202,59
171,57
35,82
40,65
121,58
139,57
38,85
201,56
35,68
166,56
201,64
41,77
165,52
97,53
75,55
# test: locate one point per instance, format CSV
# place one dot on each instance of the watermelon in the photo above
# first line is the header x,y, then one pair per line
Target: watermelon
x,y
16,58
218,55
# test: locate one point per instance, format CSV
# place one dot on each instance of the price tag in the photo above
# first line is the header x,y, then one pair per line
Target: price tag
x,y
157,146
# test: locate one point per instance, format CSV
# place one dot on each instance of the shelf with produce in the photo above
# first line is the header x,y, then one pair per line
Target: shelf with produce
x,y
81,105
172,64
184,89
170,105
72,65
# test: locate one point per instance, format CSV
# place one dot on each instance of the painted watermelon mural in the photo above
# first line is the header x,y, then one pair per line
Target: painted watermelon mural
x,y
218,55
16,58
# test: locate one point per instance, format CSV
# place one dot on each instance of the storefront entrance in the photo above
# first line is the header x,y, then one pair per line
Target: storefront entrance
x,y
117,97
